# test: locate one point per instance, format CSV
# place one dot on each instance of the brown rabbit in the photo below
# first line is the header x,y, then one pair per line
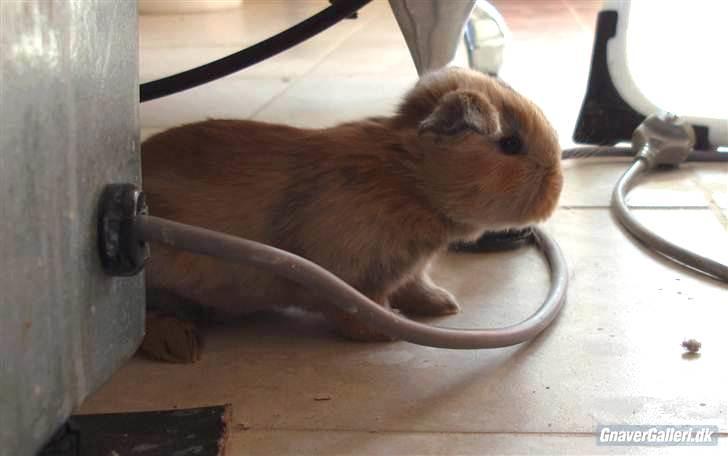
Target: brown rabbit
x,y
372,201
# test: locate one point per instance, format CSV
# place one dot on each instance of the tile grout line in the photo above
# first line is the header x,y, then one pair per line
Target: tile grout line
x,y
294,80
576,17
313,67
712,204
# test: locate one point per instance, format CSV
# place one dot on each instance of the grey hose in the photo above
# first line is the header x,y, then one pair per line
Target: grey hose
x,y
652,240
339,293
609,151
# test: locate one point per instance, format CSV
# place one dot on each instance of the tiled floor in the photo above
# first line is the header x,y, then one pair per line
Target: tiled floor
x,y
613,356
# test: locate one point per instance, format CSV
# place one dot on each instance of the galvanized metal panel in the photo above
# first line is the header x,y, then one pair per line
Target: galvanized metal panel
x,y
68,125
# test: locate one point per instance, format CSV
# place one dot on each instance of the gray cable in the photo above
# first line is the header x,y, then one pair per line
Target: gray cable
x,y
596,151
339,293
652,240
672,147
609,151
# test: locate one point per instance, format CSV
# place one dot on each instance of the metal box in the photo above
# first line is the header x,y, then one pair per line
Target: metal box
x,y
68,126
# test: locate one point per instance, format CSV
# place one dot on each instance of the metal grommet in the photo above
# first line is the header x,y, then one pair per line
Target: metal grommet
x,y
122,253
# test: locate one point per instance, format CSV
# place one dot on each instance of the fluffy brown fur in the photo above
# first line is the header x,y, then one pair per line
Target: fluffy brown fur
x,y
372,201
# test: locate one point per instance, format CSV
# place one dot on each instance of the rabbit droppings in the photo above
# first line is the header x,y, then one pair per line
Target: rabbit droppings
x,y
373,201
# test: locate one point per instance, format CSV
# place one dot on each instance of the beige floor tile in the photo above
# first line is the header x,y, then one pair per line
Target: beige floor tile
x,y
369,48
172,43
234,99
147,132
668,188
366,75
585,12
165,50
255,21
590,182
159,62
325,101
613,356
713,179
377,49
697,230
253,442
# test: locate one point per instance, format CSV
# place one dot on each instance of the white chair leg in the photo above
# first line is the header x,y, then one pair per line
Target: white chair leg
x,y
432,29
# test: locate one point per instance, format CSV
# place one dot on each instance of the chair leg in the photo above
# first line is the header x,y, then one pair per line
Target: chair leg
x,y
432,29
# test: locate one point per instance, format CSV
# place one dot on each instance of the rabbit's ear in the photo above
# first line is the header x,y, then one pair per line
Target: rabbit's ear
x,y
460,112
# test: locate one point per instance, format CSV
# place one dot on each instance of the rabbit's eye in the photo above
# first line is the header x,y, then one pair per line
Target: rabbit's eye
x,y
510,145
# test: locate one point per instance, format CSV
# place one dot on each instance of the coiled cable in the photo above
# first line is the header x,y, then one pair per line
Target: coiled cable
x,y
653,240
616,151
646,157
339,293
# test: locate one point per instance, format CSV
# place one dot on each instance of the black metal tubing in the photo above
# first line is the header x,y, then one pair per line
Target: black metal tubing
x,y
240,60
